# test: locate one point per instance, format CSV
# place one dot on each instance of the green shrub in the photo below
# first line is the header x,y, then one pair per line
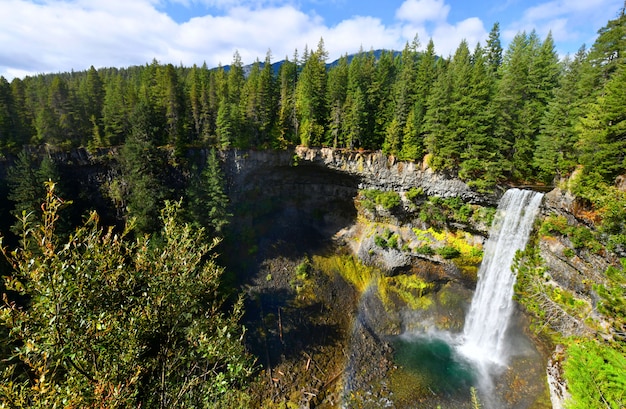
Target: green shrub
x,y
553,225
387,200
425,250
110,316
380,241
448,252
392,242
432,212
595,375
414,193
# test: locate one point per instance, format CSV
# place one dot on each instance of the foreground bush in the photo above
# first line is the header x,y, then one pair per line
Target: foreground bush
x,y
104,320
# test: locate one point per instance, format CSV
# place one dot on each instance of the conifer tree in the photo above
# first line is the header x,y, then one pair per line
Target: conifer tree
x,y
235,80
22,118
510,102
142,165
437,119
355,124
268,103
250,108
225,127
380,97
337,94
7,126
480,156
287,119
197,85
555,154
413,139
494,50
26,182
92,101
207,202
603,130
311,99
404,94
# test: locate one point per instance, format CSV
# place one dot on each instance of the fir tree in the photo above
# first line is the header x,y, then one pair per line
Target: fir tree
x,y
207,202
142,164
555,154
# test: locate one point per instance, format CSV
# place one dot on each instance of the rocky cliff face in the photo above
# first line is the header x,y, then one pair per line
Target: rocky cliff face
x,y
378,171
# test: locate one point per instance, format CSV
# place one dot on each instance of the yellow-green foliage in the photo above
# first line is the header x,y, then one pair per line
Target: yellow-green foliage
x,y
409,288
351,270
471,253
570,303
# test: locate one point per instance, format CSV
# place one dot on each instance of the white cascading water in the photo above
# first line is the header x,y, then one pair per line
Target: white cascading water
x,y
487,320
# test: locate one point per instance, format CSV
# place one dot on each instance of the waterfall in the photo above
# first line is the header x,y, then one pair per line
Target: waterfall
x,y
487,320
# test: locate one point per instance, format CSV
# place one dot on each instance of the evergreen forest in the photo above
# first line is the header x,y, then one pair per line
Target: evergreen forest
x,y
86,323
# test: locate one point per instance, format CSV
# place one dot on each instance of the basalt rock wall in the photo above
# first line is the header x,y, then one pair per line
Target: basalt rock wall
x,y
376,170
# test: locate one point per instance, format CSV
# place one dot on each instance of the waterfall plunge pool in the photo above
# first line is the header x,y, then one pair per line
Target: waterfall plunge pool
x,y
439,370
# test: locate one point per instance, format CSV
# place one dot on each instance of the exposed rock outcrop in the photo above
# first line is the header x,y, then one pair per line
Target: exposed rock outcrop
x,y
379,171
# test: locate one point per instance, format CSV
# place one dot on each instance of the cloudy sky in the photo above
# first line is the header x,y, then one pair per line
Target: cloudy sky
x,y
41,36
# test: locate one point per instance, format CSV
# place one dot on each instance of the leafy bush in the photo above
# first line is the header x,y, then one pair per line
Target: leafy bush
x,y
380,241
110,317
580,236
613,297
414,193
448,252
425,250
554,225
432,212
388,200
392,242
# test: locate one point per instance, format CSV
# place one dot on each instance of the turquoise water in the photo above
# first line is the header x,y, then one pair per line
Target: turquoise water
x,y
435,362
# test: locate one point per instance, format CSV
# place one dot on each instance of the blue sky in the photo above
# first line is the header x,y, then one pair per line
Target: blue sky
x,y
41,36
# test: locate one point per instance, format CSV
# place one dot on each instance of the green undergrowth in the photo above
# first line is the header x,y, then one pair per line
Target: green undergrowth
x,y
550,305
440,212
303,284
349,268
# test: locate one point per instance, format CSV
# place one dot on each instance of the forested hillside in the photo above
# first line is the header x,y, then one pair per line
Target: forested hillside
x,y
489,114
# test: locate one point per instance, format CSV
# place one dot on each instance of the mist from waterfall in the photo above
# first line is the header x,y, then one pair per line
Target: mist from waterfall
x,y
483,340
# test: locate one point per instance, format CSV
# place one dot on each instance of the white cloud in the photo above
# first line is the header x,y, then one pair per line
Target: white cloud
x,y
366,32
568,20
420,11
61,35
72,35
447,37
